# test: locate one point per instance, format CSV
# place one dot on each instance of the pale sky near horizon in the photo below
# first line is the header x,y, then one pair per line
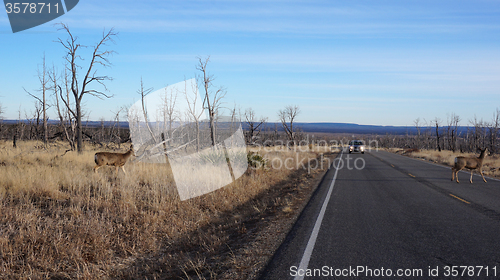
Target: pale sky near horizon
x,y
365,62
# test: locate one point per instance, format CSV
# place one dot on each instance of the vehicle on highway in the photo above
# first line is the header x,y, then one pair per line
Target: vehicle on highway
x,y
357,146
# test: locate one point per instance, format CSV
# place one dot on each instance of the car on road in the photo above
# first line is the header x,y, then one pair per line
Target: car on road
x,y
357,146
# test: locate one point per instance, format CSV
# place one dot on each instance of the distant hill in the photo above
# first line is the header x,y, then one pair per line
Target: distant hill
x,y
346,128
356,128
305,127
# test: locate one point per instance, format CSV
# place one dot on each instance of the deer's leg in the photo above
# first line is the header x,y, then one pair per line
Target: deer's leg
x,y
123,168
471,172
452,174
95,168
481,172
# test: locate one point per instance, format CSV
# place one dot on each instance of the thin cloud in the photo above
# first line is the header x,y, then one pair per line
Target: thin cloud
x,y
295,17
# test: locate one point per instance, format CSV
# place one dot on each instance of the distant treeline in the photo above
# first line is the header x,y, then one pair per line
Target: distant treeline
x,y
304,127
101,133
349,128
455,138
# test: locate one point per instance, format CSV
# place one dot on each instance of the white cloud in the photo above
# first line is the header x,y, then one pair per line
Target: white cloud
x,y
316,18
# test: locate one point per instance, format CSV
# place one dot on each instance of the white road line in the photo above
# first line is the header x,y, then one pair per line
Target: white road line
x,y
314,234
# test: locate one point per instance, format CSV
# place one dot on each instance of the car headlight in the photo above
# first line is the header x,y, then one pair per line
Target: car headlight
x,y
362,148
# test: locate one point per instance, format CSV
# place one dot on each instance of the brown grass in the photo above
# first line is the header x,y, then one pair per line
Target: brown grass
x,y
60,220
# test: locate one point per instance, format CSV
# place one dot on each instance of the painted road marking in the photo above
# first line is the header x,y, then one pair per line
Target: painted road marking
x,y
304,262
461,199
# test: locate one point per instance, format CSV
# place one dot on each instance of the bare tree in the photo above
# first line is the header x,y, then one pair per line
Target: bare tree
x,y
478,134
169,112
427,135
143,92
41,102
116,125
213,98
82,86
193,114
44,81
287,117
452,131
66,119
254,126
437,122
493,131
34,120
235,118
275,134
418,126
455,120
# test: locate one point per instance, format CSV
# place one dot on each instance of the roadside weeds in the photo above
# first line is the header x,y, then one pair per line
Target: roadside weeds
x,y
60,220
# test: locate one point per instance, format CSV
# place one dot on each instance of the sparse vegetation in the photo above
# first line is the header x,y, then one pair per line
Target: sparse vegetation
x,y
479,134
256,161
61,220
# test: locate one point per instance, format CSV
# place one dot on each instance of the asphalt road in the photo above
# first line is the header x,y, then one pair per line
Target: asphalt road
x,y
381,215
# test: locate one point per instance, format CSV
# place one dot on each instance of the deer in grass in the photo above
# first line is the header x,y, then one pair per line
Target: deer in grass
x,y
112,159
471,163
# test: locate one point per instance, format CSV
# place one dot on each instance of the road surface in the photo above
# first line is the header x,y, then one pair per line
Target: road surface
x,y
382,215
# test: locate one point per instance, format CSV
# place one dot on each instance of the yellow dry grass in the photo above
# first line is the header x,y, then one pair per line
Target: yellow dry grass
x,y
60,219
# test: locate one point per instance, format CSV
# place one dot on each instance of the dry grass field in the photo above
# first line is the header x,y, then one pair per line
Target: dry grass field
x,y
491,164
60,220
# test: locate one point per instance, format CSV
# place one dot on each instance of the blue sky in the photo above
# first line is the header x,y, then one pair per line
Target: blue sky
x,y
365,62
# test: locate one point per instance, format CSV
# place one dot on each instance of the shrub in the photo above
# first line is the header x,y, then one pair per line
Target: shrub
x,y
256,161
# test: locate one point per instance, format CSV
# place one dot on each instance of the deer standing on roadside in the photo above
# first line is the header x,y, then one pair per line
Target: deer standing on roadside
x,y
112,159
471,163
